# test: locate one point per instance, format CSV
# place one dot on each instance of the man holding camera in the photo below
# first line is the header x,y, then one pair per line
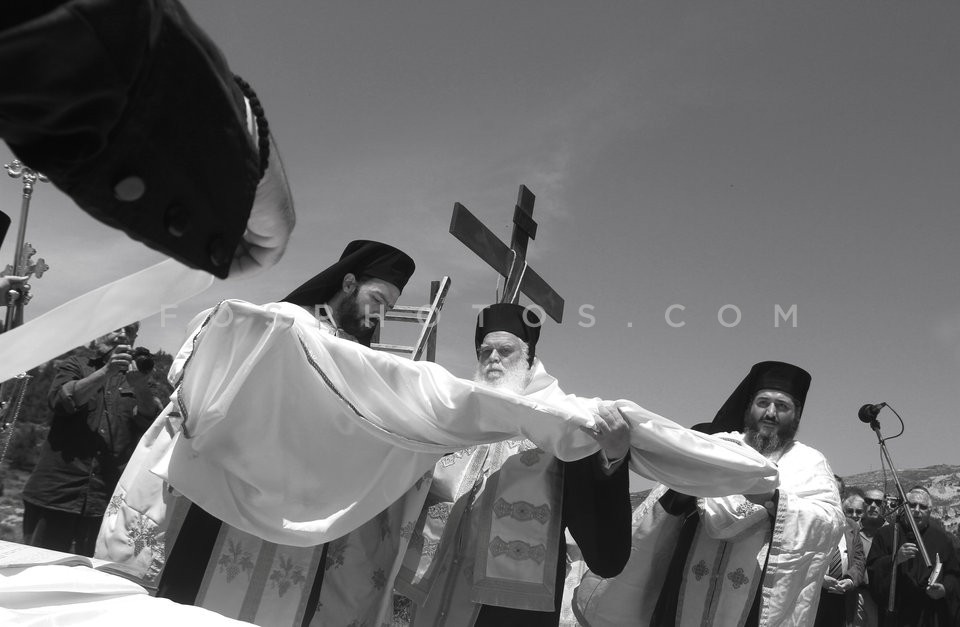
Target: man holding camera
x,y
102,403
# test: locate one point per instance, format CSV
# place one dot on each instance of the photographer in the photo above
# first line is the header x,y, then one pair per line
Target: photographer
x,y
102,403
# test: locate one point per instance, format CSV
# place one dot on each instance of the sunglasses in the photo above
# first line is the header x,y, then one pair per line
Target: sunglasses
x,y
916,505
852,512
873,501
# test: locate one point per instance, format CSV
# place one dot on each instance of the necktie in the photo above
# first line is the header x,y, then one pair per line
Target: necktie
x,y
836,563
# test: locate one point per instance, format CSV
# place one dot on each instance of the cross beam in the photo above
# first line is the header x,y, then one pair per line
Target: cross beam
x,y
509,261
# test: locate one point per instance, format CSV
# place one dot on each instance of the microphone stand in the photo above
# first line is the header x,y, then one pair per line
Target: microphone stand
x,y
892,597
875,425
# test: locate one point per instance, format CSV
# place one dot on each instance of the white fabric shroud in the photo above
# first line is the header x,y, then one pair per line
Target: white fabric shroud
x,y
111,306
299,437
47,594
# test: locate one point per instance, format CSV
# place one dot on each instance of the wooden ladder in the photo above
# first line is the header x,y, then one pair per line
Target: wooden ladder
x,y
426,344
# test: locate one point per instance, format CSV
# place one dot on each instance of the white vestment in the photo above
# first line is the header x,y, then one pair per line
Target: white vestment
x,y
726,559
293,436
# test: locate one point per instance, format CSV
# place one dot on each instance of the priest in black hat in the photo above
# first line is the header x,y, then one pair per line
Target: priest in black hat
x,y
501,558
353,294
348,299
754,559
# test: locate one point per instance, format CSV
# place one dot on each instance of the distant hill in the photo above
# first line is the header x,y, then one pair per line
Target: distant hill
x,y
942,481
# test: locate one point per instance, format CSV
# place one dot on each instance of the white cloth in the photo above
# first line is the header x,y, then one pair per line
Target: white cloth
x,y
808,524
261,385
661,450
377,421
50,595
134,297
294,436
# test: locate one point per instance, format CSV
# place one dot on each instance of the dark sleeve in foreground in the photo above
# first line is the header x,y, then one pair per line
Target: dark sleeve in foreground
x,y
596,510
132,111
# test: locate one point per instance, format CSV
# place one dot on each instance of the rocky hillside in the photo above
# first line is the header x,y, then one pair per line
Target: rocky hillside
x,y
942,481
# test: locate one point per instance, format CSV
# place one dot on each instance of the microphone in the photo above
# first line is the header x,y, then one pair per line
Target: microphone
x,y
868,413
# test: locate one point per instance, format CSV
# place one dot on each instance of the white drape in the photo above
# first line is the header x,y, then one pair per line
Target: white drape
x,y
46,595
299,437
134,297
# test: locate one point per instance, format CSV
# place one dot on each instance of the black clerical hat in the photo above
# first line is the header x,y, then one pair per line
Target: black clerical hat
x,y
362,258
766,375
515,319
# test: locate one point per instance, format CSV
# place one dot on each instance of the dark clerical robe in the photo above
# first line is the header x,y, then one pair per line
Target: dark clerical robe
x,y
913,608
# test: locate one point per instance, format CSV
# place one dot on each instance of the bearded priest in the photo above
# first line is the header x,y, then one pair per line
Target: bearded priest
x,y
490,548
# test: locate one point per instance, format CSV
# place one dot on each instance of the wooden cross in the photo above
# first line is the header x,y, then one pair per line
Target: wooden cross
x,y
510,262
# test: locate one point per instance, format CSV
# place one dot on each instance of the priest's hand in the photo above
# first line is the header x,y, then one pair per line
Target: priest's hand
x,y
936,591
611,431
766,499
908,551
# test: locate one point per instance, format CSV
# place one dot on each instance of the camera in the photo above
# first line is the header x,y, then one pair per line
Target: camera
x,y
143,359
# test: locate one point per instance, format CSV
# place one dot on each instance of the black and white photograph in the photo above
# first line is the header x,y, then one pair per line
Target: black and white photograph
x,y
480,313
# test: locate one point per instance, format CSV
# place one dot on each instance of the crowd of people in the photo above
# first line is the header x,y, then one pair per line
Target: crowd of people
x,y
296,477
882,578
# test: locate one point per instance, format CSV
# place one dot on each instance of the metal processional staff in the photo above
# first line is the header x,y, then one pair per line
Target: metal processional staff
x,y
12,391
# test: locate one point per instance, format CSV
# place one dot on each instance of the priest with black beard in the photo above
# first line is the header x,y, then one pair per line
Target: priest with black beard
x,y
489,547
752,559
189,546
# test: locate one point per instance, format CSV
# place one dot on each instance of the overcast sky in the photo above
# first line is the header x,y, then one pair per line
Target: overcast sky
x,y
727,158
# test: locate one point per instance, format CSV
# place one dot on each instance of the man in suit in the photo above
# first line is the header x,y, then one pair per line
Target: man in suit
x,y
838,595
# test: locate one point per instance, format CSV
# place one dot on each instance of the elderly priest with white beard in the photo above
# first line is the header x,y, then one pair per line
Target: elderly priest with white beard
x,y
489,547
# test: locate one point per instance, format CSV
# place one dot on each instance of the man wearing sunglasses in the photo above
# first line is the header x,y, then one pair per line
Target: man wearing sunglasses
x,y
874,516
853,508
920,601
873,519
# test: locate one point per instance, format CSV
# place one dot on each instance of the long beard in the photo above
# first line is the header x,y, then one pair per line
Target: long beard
x,y
766,445
769,445
350,319
514,379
